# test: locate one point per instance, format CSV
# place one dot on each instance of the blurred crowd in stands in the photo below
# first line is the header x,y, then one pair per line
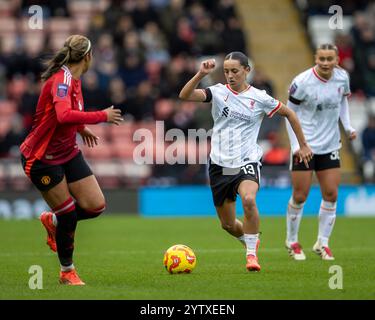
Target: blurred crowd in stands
x,y
356,48
144,51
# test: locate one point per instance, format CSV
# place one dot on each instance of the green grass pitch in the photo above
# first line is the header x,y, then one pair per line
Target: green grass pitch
x,y
120,257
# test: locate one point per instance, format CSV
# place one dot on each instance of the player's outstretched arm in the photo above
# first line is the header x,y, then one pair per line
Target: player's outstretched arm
x,y
305,154
65,114
190,92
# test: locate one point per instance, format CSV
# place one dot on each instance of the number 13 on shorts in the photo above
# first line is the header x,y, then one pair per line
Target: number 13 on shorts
x,y
248,169
252,170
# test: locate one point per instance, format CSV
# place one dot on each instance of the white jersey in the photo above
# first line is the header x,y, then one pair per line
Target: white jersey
x,y
317,103
237,119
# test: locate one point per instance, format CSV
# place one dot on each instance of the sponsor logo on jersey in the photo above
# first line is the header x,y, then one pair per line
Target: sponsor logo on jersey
x,y
62,90
240,116
321,106
225,112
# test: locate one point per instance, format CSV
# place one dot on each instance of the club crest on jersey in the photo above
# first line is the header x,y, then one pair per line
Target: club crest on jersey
x,y
62,90
252,103
293,88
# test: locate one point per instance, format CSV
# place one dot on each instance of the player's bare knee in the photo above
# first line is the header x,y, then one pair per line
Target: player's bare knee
x,y
248,201
96,207
330,196
93,203
228,226
299,197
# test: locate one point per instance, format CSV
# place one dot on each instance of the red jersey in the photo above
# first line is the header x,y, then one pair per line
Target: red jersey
x,y
59,115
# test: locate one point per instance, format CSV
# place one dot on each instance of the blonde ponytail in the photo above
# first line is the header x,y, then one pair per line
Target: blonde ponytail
x,y
73,51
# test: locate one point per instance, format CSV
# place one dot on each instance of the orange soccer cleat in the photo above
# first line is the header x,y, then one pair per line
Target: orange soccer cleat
x,y
47,221
70,278
252,263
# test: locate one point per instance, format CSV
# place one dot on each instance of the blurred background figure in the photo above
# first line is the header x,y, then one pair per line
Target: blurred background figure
x,y
277,155
10,142
95,97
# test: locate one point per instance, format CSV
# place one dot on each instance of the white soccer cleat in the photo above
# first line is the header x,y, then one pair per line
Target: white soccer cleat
x,y
324,252
295,251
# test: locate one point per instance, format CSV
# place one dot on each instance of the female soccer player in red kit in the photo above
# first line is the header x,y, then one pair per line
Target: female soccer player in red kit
x,y
50,155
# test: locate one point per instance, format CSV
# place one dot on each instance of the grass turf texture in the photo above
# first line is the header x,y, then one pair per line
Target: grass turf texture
x,y
121,258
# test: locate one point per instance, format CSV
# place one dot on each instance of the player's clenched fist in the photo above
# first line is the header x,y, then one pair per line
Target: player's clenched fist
x,y
207,66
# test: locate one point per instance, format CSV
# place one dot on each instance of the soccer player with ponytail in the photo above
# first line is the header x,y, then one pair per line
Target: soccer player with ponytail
x,y
238,110
319,97
50,155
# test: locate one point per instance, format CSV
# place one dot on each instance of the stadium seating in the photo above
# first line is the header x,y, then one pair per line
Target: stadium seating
x,y
6,9
7,109
94,18
8,25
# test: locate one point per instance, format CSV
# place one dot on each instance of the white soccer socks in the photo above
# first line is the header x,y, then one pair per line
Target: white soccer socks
x,y
293,219
327,217
251,241
242,240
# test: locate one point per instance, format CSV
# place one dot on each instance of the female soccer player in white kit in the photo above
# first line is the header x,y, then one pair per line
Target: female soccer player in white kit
x,y
319,98
238,110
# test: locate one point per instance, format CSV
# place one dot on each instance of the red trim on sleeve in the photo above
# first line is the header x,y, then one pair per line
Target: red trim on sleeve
x,y
275,110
